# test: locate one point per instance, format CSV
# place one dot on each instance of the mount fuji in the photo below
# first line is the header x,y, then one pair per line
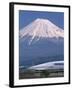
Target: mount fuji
x,y
41,28
41,38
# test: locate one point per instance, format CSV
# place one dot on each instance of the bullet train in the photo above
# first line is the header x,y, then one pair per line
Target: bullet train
x,y
56,65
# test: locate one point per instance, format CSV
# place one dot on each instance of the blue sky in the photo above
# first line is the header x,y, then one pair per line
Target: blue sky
x,y
26,17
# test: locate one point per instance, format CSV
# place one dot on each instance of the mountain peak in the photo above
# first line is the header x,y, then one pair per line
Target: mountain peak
x,y
41,19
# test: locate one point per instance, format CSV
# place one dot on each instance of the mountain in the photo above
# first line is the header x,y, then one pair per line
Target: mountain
x,y
41,38
41,28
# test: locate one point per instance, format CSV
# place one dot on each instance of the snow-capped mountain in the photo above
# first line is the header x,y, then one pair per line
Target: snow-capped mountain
x,y
39,41
41,28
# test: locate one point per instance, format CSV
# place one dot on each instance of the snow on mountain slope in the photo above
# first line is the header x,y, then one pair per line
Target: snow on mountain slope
x,y
41,28
48,65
